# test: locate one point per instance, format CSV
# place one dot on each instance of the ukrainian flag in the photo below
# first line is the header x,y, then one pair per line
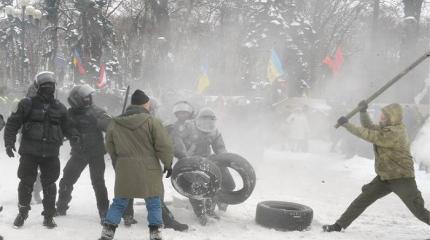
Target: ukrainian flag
x,y
274,69
203,82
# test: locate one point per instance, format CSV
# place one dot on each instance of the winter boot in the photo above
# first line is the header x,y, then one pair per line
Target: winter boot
x,y
129,220
48,222
203,220
175,225
170,222
108,231
332,228
61,211
21,217
155,233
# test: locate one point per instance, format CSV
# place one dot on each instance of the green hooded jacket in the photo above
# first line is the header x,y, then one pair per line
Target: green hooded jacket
x,y
137,142
393,158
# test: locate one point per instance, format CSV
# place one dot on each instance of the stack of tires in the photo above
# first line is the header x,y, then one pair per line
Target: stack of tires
x,y
201,178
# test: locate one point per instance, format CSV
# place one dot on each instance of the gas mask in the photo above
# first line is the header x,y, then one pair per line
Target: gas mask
x,y
206,124
47,91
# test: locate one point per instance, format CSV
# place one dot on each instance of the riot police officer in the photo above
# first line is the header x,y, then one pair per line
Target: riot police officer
x,y
44,123
200,137
90,121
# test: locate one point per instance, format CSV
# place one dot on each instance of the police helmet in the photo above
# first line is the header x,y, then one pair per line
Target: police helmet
x,y
44,78
183,106
77,95
206,120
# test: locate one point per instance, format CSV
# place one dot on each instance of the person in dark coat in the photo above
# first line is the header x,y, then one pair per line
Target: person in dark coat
x,y
44,123
90,121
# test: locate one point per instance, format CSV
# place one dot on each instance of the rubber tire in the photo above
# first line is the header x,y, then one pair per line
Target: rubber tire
x,y
196,169
246,172
284,216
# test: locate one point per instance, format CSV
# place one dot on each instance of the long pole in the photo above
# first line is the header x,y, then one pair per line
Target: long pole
x,y
126,98
389,84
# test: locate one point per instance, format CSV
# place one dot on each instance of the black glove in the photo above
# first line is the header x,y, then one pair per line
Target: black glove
x,y
168,170
342,120
363,106
10,151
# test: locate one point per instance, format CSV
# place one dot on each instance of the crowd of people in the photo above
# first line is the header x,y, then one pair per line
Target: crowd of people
x,y
140,146
142,143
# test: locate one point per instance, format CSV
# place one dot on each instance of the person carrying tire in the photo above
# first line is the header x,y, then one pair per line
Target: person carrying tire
x,y
90,121
201,137
137,142
44,122
394,165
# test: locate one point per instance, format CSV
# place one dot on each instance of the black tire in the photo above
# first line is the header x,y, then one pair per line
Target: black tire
x,y
246,172
196,178
284,216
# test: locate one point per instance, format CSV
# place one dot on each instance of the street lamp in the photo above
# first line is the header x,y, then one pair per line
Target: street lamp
x,y
23,9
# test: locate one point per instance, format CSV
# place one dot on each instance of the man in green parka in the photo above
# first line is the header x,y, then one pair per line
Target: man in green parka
x,y
137,142
394,165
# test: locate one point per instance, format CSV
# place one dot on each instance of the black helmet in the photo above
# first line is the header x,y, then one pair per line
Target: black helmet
x,y
78,94
44,78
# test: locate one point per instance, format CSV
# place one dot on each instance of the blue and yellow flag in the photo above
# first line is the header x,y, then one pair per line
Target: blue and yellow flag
x,y
274,69
203,82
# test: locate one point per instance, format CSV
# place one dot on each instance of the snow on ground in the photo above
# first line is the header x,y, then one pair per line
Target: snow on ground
x,y
326,182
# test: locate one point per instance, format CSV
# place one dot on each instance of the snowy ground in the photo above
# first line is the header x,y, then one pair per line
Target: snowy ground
x,y
323,181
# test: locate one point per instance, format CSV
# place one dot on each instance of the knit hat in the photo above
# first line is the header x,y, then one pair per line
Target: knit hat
x,y
139,98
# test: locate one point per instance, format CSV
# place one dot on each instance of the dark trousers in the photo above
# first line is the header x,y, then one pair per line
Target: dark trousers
x,y
71,173
202,207
27,173
405,188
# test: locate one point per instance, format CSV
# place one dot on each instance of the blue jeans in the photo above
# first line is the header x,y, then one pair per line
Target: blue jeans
x,y
118,206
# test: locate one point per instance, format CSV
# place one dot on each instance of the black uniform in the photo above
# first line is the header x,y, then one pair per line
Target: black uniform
x,y
44,123
90,122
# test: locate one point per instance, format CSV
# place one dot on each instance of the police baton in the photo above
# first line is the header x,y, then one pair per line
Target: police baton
x,y
388,84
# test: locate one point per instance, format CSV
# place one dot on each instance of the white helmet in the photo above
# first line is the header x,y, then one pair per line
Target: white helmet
x,y
206,120
183,106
